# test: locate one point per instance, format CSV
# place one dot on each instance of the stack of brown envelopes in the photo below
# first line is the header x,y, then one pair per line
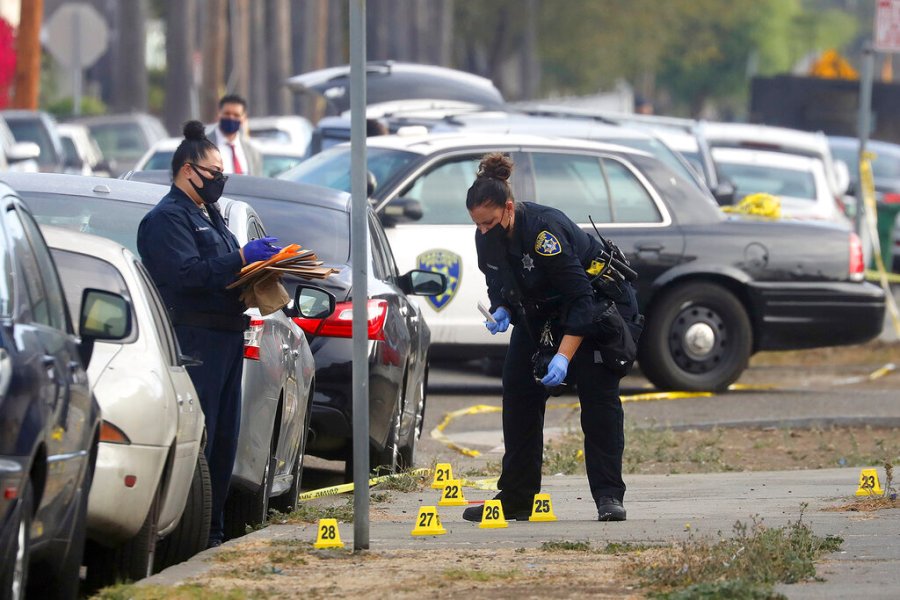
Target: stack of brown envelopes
x,y
260,281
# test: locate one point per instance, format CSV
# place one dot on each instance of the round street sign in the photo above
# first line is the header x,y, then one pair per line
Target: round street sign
x,y
76,35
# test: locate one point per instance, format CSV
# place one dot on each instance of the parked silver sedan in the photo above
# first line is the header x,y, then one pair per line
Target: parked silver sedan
x,y
279,369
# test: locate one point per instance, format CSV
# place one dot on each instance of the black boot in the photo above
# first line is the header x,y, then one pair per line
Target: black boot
x,y
511,512
610,509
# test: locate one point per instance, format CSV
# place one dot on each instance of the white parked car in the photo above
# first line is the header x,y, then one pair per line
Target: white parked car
x,y
279,369
150,452
783,140
798,181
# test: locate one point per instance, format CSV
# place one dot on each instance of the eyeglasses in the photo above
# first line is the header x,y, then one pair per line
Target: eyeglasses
x,y
217,176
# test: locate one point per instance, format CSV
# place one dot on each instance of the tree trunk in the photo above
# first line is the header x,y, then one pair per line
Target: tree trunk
x,y
337,22
177,107
239,79
278,27
530,63
257,95
215,33
379,25
442,32
28,50
130,86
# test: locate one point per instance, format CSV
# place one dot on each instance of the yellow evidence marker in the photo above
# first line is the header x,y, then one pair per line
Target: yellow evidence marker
x,y
542,508
428,522
328,536
868,483
492,516
453,494
443,473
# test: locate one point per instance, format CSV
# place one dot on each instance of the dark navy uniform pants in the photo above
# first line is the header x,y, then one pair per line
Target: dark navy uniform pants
x,y
218,384
524,403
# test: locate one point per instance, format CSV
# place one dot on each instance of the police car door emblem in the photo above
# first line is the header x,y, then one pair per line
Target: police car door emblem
x,y
446,262
527,262
546,244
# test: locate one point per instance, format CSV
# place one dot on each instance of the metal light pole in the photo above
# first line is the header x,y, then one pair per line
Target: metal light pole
x,y
359,256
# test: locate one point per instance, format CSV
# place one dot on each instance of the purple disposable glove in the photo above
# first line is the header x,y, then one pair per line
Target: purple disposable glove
x,y
261,249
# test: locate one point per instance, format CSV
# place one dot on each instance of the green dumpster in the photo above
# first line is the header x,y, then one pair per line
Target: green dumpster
x,y
887,214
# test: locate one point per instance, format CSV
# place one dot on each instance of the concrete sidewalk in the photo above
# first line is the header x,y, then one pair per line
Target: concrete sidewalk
x,y
661,508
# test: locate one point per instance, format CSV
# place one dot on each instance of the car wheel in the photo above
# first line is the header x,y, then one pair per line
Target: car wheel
x,y
62,576
191,535
408,449
250,509
385,460
288,501
697,337
14,572
130,561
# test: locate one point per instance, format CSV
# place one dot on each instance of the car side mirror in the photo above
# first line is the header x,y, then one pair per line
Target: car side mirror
x,y
105,316
842,175
400,210
371,184
423,283
23,151
724,193
311,302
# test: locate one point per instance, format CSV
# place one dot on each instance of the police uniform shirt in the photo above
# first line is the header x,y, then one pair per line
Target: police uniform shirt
x,y
191,257
548,255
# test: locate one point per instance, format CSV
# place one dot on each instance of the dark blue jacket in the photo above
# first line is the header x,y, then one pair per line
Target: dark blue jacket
x,y
190,258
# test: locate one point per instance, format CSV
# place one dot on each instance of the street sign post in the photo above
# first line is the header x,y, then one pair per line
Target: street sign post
x,y
887,26
76,36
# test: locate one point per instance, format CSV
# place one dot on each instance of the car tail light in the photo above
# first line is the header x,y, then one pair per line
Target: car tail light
x,y
340,322
112,434
252,338
890,198
857,264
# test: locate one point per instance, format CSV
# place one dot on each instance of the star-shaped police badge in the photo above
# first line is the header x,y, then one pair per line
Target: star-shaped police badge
x,y
527,262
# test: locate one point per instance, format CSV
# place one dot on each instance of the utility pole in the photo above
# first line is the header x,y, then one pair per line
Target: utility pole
x,y
28,50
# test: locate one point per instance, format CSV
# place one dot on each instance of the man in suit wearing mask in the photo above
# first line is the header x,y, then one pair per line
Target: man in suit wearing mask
x,y
239,155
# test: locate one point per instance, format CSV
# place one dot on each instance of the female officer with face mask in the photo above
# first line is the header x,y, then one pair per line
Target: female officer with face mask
x,y
551,280
192,256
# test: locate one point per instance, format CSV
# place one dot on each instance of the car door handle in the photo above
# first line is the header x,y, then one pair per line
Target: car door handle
x,y
649,247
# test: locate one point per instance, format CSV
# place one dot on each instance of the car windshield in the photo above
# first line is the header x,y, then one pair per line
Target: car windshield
x,y
34,131
331,168
766,179
325,230
159,161
120,140
107,218
660,151
886,164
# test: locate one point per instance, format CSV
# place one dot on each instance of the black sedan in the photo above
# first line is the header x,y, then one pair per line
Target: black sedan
x,y
714,289
49,421
319,218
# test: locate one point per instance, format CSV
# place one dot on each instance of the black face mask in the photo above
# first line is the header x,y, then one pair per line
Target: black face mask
x,y
212,187
495,240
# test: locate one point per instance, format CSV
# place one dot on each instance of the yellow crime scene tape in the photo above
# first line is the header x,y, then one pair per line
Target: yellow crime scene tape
x,y
336,490
867,185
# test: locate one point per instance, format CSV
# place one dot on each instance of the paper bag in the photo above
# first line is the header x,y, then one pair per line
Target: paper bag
x,y
267,294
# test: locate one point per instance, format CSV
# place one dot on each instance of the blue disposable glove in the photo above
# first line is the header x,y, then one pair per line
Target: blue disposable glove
x,y
261,249
556,371
501,316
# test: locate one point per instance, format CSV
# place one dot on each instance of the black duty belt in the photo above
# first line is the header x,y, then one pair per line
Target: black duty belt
x,y
209,320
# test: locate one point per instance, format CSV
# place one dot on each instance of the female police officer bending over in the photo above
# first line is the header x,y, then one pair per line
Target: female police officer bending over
x,y
191,256
553,281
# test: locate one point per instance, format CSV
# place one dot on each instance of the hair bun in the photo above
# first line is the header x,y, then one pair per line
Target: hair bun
x,y
194,130
496,165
